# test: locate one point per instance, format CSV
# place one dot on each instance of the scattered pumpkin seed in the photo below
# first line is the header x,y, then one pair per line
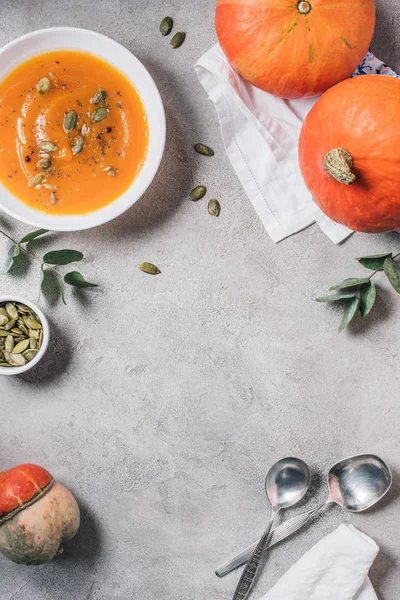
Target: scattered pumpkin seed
x,y
70,120
44,163
43,85
47,146
99,115
178,39
9,345
77,144
147,267
198,192
99,97
38,179
214,207
166,26
204,150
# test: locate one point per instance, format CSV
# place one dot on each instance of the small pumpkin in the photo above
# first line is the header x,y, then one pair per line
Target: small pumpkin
x,y
349,153
295,49
37,515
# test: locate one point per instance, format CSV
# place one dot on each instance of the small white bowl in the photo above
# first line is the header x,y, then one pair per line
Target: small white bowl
x,y
70,38
46,336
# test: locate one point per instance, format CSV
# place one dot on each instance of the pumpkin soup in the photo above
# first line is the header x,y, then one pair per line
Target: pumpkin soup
x,y
73,133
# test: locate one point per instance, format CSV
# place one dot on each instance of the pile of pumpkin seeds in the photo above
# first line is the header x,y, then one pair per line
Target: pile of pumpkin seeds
x,y
21,334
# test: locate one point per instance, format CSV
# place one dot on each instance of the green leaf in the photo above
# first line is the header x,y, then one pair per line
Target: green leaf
x,y
33,235
374,262
334,297
352,282
349,312
62,257
8,263
76,279
392,273
367,298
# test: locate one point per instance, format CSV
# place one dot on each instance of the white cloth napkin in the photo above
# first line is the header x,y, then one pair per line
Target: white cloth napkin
x,y
260,133
336,568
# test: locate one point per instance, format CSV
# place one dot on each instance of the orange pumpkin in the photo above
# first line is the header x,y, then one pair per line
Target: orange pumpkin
x,y
37,515
295,49
349,153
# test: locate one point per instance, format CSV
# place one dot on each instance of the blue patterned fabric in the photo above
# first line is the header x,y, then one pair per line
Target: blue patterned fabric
x,y
373,66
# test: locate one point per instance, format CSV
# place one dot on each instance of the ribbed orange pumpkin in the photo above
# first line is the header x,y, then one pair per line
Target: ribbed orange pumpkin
x,y
37,515
295,49
349,153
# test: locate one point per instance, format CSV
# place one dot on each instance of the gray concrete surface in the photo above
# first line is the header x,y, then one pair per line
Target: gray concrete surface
x,y
165,399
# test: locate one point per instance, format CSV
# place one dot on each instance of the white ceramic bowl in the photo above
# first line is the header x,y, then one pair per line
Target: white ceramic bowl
x,y
46,336
69,38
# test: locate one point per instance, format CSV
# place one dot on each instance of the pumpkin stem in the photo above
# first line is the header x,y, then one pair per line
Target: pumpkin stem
x,y
338,163
303,7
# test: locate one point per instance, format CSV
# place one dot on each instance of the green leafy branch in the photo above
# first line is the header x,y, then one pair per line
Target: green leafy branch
x,y
360,293
47,262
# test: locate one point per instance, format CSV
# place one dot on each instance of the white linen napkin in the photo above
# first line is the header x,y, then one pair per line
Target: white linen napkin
x,y
336,568
260,133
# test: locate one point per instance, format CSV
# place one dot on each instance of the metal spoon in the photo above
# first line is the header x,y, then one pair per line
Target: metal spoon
x,y
355,483
285,484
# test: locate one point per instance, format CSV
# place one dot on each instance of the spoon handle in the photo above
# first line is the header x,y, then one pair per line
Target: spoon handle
x,y
248,576
280,533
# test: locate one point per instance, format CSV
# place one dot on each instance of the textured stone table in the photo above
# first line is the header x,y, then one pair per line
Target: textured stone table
x,y
165,399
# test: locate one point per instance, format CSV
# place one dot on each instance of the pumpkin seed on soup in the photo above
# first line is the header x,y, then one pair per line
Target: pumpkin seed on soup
x,y
47,146
70,120
99,115
37,180
44,163
99,97
77,144
43,85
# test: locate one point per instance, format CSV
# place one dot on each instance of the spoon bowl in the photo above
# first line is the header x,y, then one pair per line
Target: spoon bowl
x,y
358,482
287,482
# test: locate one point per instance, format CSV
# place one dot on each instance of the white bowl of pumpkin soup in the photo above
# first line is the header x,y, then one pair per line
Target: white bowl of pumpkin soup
x,y
82,129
